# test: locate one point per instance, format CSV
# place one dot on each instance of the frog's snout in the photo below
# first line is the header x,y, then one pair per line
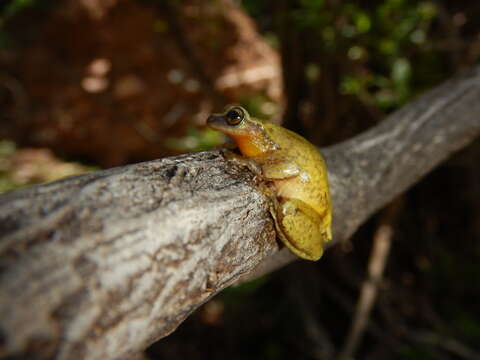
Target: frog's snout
x,y
216,121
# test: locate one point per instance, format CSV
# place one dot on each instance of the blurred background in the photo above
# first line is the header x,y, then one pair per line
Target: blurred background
x,y
90,84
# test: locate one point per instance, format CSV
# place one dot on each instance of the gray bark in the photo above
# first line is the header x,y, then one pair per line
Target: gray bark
x,y
101,265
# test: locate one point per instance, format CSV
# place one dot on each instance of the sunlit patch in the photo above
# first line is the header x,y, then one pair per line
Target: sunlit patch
x,y
175,76
99,67
96,80
236,78
93,84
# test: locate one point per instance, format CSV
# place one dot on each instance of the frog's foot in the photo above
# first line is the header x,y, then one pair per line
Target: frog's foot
x,y
301,229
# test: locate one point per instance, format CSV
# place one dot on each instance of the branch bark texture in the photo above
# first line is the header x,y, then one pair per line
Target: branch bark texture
x,y
101,265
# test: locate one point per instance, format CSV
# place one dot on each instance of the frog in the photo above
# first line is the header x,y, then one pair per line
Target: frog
x,y
295,170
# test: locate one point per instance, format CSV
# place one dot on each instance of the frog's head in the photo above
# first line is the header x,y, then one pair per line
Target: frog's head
x,y
248,133
235,121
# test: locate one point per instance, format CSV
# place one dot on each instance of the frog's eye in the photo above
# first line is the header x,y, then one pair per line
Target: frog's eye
x,y
235,116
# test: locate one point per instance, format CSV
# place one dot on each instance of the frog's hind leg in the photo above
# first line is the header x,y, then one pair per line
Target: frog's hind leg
x,y
300,228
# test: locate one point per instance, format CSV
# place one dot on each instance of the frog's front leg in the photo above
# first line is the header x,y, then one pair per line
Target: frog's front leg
x,y
276,167
269,168
280,171
252,165
300,228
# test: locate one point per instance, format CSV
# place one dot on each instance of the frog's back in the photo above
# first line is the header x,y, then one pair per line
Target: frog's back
x,y
311,185
298,149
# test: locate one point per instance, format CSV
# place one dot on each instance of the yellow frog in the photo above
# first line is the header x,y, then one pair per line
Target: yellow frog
x,y
301,207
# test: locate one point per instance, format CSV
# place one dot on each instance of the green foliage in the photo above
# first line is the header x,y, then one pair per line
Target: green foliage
x,y
377,43
11,8
195,140
469,326
409,352
15,6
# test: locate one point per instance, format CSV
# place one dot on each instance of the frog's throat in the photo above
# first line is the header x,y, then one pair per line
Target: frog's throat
x,y
253,146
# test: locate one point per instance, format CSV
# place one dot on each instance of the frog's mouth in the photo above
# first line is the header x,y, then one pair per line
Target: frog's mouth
x,y
218,122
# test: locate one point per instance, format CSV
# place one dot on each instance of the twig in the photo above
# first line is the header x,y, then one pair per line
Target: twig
x,y
344,302
322,345
426,337
449,344
378,258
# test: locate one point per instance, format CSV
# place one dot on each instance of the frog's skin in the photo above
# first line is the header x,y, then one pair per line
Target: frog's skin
x,y
301,204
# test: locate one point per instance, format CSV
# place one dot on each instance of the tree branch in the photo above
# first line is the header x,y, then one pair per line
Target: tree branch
x,y
101,265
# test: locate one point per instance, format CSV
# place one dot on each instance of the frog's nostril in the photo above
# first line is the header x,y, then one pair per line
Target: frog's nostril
x,y
214,119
